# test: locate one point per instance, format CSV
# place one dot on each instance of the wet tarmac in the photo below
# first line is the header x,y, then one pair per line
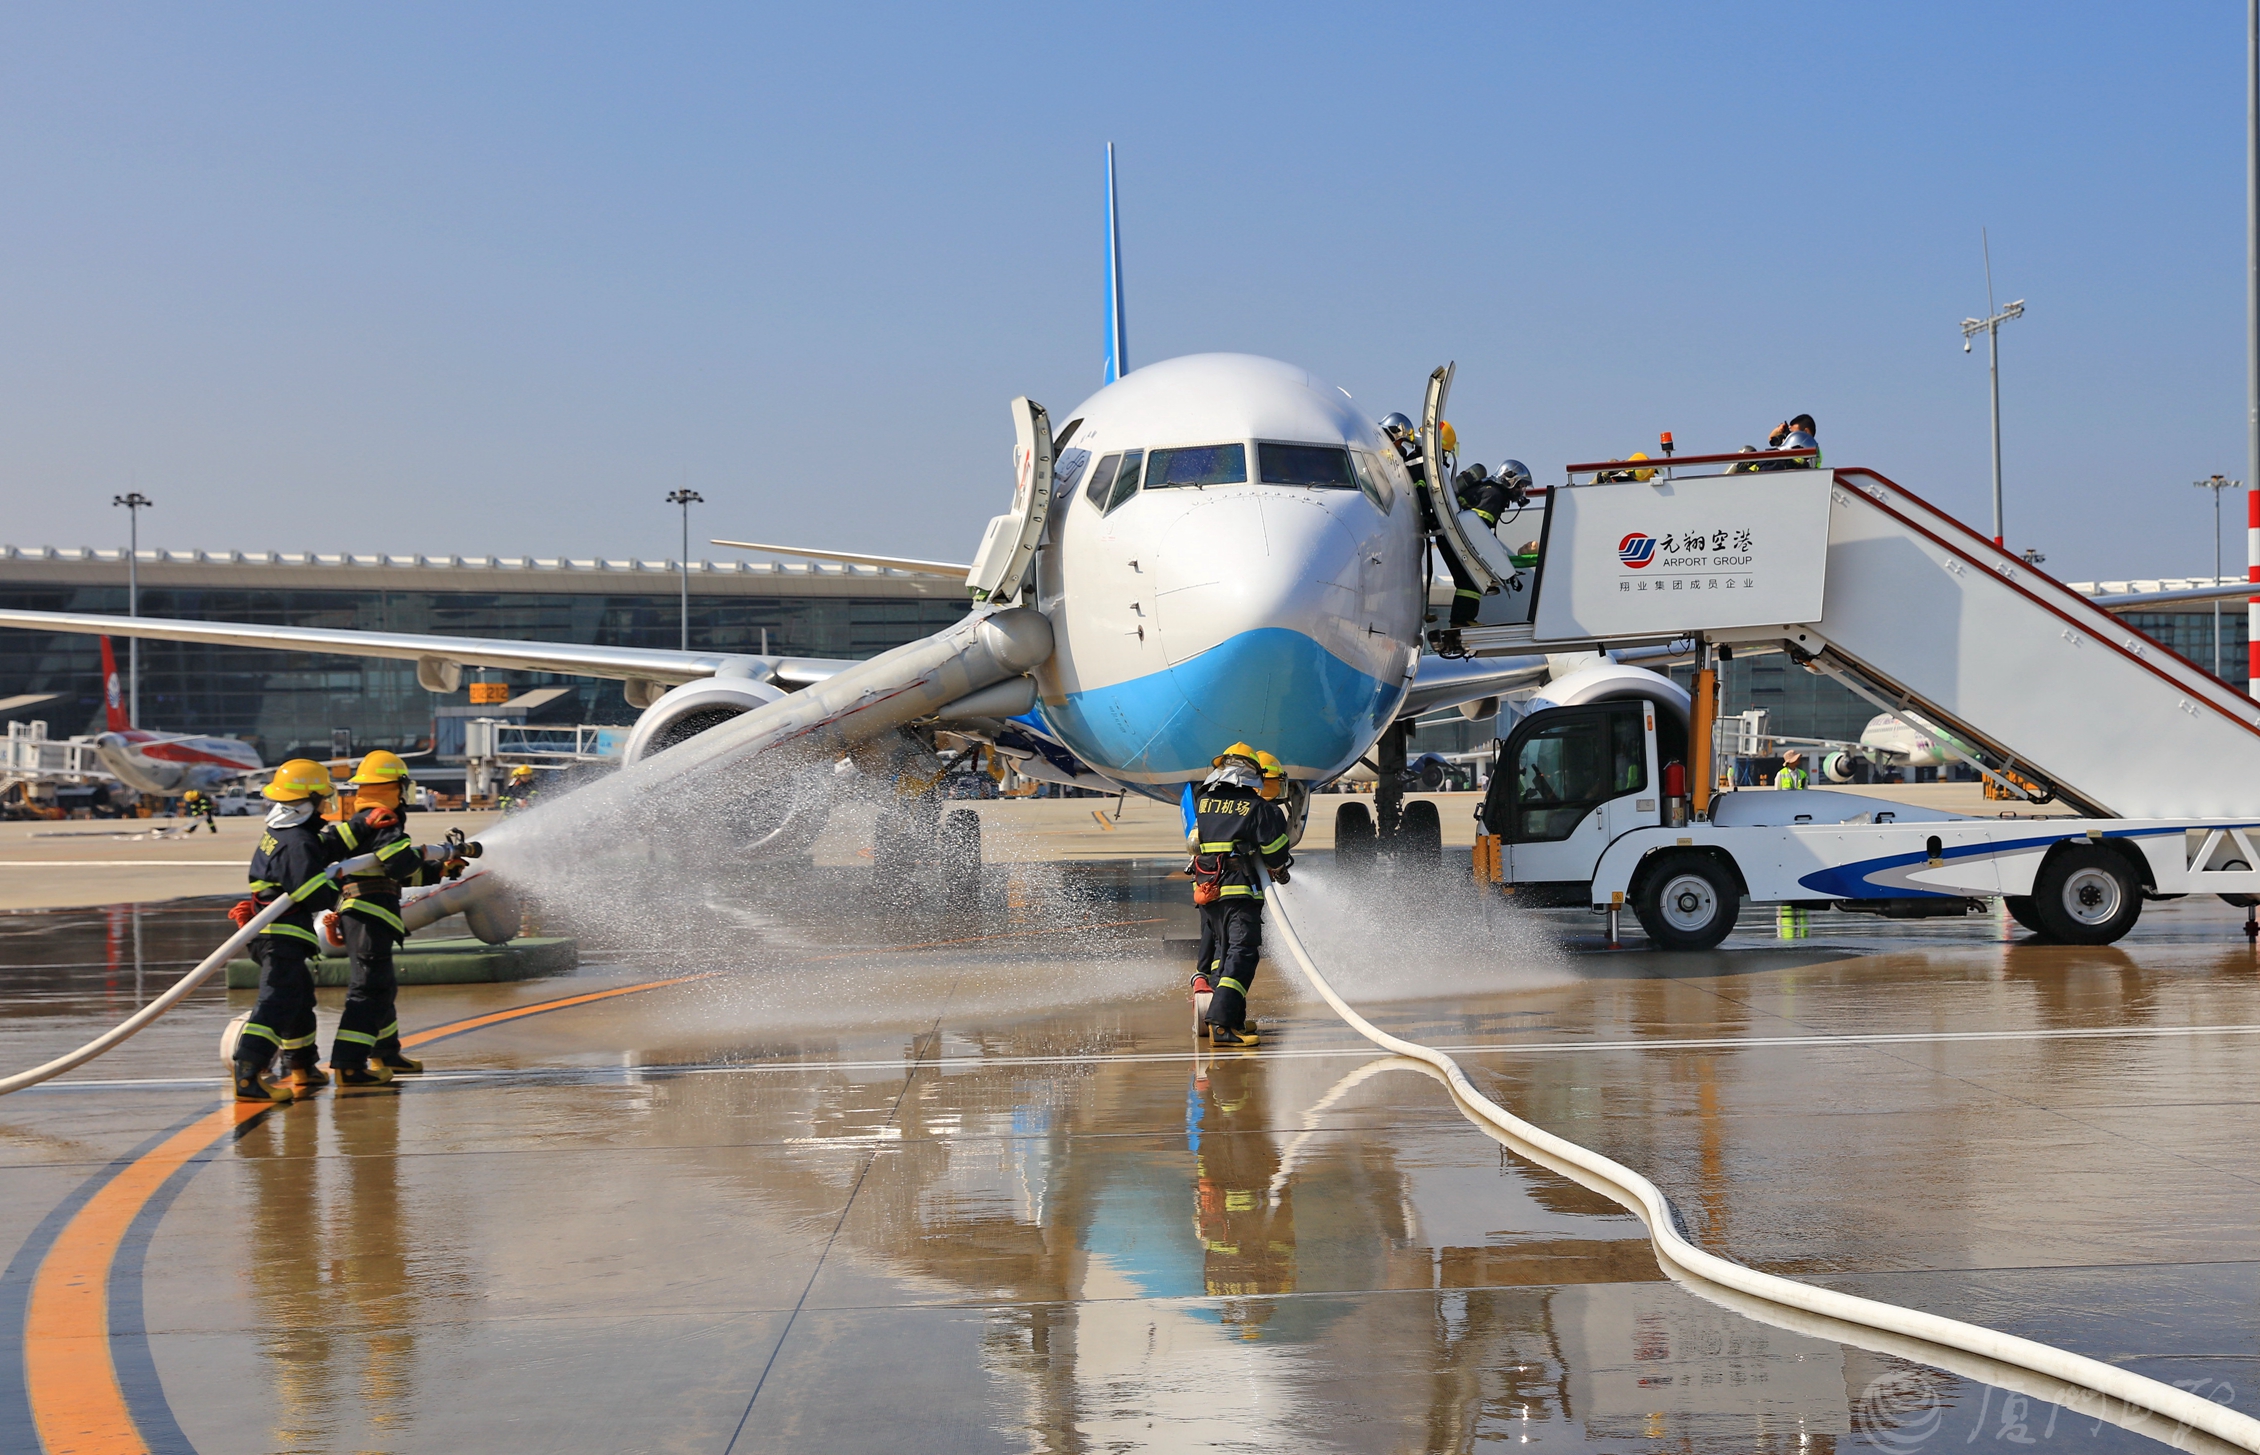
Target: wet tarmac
x,y
901,1174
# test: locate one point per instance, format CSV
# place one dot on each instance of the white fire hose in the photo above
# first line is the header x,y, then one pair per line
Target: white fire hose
x,y
1737,1286
131,1025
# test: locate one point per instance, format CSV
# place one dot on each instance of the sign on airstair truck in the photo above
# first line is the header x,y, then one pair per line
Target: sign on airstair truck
x,y
2051,698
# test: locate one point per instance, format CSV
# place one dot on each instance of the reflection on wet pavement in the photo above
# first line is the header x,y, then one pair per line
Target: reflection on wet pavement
x,y
882,1187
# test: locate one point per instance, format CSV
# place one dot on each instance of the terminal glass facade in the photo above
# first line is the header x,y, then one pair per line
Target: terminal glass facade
x,y
292,703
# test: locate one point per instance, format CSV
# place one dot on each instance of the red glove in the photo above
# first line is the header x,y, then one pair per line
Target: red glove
x,y
384,818
243,912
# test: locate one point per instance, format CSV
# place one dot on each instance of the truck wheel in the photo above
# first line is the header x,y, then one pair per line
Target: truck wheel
x,y
2021,910
1688,903
1420,834
1353,834
2085,895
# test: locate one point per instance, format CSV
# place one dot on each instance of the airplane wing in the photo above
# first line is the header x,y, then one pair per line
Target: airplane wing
x,y
892,563
1450,681
2152,600
651,664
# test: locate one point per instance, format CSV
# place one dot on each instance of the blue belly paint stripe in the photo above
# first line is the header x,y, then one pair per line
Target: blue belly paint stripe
x,y
1274,687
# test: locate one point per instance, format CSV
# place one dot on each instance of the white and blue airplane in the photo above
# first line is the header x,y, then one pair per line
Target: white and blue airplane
x,y
1228,550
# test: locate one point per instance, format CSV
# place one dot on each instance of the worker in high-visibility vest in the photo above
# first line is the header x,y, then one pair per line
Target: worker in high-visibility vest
x,y
366,1052
1233,826
1792,775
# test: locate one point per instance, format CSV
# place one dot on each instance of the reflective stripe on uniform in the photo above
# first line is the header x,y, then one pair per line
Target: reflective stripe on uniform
x,y
356,1037
253,1028
296,1043
1228,983
345,832
1224,848
279,928
259,886
390,1033
375,911
319,881
1476,594
1239,891
395,847
1275,845
1487,517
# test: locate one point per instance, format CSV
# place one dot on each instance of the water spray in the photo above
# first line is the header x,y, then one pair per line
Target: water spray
x,y
1765,1295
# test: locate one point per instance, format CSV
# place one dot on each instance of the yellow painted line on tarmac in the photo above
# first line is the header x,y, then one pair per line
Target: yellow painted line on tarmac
x,y
70,1369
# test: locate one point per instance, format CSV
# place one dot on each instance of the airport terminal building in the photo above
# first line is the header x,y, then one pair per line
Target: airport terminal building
x,y
290,703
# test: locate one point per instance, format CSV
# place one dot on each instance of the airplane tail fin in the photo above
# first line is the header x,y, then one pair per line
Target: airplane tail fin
x,y
113,694
1117,348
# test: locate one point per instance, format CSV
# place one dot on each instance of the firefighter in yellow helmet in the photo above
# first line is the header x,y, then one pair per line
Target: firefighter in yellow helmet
x,y
366,1052
290,862
1230,824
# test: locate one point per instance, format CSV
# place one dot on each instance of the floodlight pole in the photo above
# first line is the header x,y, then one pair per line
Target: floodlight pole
x,y
2217,484
686,498
1992,327
135,502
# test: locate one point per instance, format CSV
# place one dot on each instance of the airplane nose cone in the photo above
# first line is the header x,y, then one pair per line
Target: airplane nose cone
x,y
1262,602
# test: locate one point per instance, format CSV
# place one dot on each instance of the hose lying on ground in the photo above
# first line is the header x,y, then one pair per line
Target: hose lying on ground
x,y
1709,1273
132,1024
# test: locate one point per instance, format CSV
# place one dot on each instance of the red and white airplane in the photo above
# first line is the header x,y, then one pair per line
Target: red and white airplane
x,y
165,764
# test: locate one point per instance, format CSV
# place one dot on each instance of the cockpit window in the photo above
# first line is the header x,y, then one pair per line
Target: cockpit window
x,y
1126,480
1372,481
1102,480
1198,465
1322,467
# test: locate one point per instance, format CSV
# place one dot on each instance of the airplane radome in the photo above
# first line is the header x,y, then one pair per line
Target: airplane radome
x,y
1234,553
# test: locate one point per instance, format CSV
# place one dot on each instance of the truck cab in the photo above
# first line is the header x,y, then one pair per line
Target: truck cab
x,y
1570,781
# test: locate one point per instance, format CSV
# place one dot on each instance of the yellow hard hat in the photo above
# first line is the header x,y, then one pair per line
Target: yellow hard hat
x,y
1447,437
523,770
1237,750
1642,474
300,778
1272,767
381,767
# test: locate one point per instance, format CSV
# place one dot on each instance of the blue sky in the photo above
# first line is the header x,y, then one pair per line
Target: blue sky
x,y
495,280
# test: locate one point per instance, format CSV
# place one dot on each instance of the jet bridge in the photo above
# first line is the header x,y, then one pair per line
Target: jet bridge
x,y
1861,579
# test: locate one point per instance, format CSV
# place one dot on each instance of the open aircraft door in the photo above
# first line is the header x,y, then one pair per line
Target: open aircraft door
x,y
1008,548
1473,542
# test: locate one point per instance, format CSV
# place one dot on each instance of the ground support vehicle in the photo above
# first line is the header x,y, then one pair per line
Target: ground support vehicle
x,y
2150,765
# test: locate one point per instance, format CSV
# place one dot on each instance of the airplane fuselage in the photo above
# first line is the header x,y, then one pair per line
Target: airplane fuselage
x,y
166,764
1234,552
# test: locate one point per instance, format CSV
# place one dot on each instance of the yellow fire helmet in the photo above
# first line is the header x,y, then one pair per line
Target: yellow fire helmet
x,y
300,778
1447,437
1642,474
1237,750
1272,767
381,767
522,771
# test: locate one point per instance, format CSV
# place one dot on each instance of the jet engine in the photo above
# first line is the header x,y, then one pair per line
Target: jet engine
x,y
686,711
1836,767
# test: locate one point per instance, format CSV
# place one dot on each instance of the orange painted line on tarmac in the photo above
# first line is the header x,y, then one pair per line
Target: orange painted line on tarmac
x,y
70,1369
457,1028
76,1401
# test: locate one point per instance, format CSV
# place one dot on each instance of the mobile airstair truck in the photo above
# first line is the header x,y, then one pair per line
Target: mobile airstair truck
x,y
1614,803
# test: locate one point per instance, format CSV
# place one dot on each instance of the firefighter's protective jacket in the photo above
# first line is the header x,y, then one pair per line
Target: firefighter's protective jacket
x,y
1241,825
375,892
1482,494
293,863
